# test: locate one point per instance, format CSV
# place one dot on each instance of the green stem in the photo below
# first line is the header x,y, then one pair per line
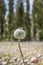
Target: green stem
x,y
21,51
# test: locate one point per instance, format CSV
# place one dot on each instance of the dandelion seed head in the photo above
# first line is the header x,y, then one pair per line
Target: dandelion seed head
x,y
19,33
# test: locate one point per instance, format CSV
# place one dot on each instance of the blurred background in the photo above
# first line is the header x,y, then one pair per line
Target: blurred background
x,y
26,14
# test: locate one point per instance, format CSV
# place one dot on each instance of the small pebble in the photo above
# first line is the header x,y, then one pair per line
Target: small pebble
x,y
28,63
18,59
33,64
3,63
23,64
34,60
15,59
26,60
39,55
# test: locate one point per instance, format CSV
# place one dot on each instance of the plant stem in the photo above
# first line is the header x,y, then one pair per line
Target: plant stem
x,y
20,50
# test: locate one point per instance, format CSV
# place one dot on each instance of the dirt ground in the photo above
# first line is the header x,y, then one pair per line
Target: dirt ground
x,y
28,48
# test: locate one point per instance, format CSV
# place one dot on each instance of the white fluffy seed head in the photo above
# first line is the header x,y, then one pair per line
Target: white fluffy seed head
x,y
19,33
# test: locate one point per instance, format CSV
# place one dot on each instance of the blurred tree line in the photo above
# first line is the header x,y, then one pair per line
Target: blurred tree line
x,y
33,25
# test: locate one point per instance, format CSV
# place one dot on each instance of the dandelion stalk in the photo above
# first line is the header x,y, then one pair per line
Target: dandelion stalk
x,y
20,50
20,34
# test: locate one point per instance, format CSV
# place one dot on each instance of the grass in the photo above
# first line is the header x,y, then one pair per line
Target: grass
x,y
9,51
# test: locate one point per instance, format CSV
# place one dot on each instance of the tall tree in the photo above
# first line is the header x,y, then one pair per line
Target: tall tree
x,y
19,14
27,23
10,17
2,17
38,18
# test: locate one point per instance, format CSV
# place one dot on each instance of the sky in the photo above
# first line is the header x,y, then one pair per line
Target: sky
x,y
31,3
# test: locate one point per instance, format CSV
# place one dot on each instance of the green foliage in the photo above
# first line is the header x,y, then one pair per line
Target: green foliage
x,y
19,14
38,16
10,18
21,18
2,17
27,23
